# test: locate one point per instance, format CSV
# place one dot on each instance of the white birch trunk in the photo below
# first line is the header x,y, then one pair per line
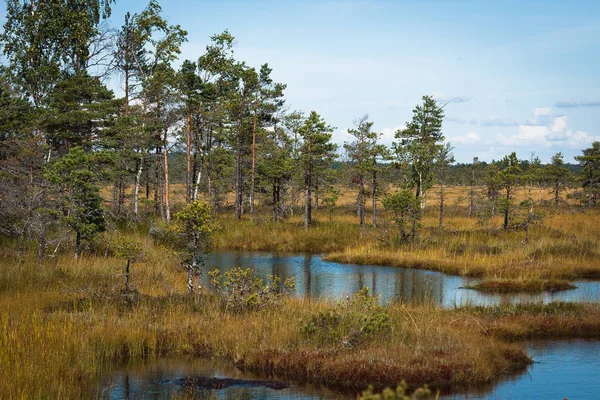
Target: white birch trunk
x,y
136,191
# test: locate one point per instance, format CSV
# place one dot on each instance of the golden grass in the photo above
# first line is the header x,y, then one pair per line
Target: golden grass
x,y
64,325
515,285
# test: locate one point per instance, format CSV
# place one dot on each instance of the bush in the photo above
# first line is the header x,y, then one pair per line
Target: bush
x,y
399,394
240,290
350,321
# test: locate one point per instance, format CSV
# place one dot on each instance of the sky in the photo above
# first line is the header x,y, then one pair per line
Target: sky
x,y
519,75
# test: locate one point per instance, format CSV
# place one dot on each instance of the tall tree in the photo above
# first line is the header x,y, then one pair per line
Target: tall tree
x,y
418,144
443,160
162,44
246,81
590,161
558,175
361,153
78,174
472,183
268,100
316,155
510,177
43,38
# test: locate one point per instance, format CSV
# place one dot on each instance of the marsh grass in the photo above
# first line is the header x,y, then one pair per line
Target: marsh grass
x,y
67,323
515,285
565,247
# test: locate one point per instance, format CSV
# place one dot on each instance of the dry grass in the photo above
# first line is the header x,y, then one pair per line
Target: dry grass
x,y
66,324
515,285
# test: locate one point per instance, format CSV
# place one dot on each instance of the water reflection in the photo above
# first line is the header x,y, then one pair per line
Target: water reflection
x,y
562,369
316,278
157,379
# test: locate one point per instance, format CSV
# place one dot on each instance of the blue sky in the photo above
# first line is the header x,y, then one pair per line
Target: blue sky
x,y
525,74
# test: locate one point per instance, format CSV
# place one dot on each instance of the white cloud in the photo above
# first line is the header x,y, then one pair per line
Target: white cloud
x,y
547,130
467,138
538,112
387,134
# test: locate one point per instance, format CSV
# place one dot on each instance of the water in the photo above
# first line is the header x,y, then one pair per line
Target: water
x,y
157,379
561,369
316,278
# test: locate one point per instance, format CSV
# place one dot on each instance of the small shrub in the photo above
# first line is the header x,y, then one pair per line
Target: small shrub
x,y
241,290
350,321
399,394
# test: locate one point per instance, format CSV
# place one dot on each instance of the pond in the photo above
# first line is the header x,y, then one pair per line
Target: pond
x,y
561,369
317,278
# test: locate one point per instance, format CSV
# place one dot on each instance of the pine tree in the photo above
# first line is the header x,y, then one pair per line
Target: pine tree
x,y
590,161
418,144
316,155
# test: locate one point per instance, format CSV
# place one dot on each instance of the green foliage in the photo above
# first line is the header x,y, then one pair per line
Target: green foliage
x,y
401,393
78,175
418,144
192,228
80,113
316,155
350,322
330,200
39,46
406,210
590,179
127,248
241,290
363,153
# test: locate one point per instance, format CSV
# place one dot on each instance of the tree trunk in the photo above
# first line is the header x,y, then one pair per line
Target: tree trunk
x,y
238,175
442,195
77,244
190,270
198,179
127,287
136,189
556,192
147,188
121,199
166,169
506,209
157,205
374,198
209,190
308,201
253,165
188,176
361,202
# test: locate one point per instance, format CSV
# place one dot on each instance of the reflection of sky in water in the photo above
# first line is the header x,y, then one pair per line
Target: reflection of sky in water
x,y
156,379
317,278
562,369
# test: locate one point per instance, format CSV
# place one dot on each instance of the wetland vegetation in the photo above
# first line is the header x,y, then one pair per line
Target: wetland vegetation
x,y
131,227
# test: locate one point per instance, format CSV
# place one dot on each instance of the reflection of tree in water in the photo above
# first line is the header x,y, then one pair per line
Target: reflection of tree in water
x,y
307,273
317,278
418,286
